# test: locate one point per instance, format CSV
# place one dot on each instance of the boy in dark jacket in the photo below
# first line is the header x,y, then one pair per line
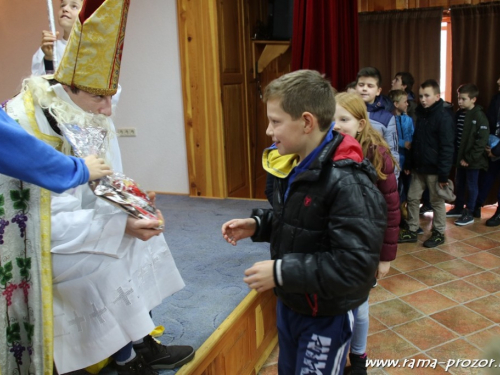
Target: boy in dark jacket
x,y
471,137
430,161
326,226
404,81
379,107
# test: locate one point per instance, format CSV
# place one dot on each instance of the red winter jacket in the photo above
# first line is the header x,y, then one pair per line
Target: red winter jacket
x,y
389,189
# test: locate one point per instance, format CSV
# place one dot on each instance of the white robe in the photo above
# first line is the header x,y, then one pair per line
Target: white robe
x,y
105,282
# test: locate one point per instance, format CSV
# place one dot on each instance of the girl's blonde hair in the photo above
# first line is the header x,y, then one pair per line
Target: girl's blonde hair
x,y
368,138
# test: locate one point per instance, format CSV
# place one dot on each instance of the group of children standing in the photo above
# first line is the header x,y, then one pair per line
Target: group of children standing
x,y
322,245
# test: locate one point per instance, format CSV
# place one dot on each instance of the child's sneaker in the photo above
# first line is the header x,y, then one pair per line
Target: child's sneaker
x,y
494,220
455,212
435,239
406,235
465,219
137,366
159,356
358,365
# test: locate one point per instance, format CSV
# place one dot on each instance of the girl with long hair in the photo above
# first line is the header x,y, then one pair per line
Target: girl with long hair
x,y
351,118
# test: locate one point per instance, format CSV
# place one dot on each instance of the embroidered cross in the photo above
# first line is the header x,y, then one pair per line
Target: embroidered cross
x,y
142,272
123,296
77,321
98,314
156,262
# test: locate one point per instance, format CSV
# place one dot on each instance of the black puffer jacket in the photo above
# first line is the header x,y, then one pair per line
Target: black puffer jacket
x,y
432,148
328,233
493,114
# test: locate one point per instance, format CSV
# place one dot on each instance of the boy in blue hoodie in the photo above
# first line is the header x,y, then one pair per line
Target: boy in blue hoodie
x,y
368,85
325,229
405,129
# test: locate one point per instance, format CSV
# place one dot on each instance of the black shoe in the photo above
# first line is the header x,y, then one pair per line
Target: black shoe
x,y
159,356
494,221
136,366
465,219
358,365
420,230
455,212
477,212
425,209
435,239
406,235
403,224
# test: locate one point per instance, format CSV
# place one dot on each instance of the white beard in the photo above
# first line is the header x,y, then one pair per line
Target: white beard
x,y
64,110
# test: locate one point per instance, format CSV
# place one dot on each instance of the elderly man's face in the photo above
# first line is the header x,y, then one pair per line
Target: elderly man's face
x,y
97,104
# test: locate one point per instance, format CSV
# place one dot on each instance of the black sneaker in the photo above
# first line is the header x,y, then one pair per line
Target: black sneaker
x,y
358,365
465,219
159,356
477,212
455,212
136,366
406,235
435,239
420,230
425,209
494,221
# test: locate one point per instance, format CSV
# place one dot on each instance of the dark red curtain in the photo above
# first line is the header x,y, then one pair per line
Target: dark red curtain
x,y
325,38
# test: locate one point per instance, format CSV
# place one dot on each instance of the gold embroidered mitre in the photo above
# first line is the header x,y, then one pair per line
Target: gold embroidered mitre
x,y
91,60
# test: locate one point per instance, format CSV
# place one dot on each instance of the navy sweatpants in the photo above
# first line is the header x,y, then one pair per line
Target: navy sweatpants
x,y
312,345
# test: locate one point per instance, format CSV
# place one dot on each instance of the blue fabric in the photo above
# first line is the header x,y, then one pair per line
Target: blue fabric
x,y
311,344
25,157
361,326
304,164
124,353
405,129
466,178
385,123
486,182
493,140
494,144
404,185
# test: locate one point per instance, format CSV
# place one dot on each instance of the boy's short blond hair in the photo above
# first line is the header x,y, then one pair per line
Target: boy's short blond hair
x,y
304,91
396,95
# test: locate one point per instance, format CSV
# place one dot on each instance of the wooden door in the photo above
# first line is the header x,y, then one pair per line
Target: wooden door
x,y
234,99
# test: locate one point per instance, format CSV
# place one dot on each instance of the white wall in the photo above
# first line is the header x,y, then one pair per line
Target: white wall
x,y
151,99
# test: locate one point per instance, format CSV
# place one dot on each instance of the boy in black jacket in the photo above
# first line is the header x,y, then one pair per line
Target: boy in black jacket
x,y
472,133
430,161
326,226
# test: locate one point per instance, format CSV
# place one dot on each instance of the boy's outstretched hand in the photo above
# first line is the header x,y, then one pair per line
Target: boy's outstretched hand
x,y
97,167
260,276
238,229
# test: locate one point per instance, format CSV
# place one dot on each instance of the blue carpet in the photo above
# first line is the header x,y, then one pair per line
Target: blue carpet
x,y
212,269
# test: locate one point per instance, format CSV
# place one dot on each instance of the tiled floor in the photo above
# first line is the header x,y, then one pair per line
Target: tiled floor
x,y
441,303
